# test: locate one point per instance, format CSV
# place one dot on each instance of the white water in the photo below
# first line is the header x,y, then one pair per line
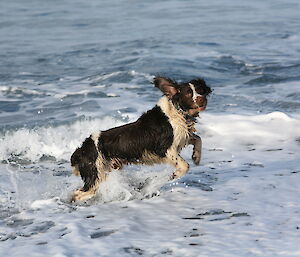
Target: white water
x,y
251,164
58,142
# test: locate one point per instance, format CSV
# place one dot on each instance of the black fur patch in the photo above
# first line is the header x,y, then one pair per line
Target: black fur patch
x,y
201,87
152,132
85,158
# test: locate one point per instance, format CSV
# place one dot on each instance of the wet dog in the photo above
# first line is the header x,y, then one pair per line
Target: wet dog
x,y
158,136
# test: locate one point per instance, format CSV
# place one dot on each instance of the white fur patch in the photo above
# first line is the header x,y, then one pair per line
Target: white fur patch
x,y
195,94
178,123
95,136
100,162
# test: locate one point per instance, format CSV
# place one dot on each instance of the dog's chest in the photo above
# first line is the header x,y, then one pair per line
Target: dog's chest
x,y
181,132
178,123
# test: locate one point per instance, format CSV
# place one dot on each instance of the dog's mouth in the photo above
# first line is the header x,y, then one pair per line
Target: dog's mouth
x,y
202,108
195,111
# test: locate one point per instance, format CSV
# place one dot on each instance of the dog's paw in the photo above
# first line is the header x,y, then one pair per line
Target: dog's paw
x,y
196,157
80,195
76,196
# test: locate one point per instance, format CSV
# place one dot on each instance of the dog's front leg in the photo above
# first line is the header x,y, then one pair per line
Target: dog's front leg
x,y
196,141
179,163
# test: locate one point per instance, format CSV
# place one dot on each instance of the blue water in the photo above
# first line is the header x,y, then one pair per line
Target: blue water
x,y
71,67
249,52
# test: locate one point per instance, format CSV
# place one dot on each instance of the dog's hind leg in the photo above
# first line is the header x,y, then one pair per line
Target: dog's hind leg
x,y
179,163
92,175
88,162
91,184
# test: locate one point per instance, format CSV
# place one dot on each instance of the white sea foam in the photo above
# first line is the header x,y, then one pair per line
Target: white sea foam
x,y
20,91
251,210
263,131
58,142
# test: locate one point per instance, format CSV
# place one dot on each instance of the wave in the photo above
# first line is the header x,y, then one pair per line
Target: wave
x,y
263,132
21,92
118,77
58,143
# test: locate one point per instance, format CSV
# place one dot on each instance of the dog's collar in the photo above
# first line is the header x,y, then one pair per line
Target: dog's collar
x,y
179,108
189,119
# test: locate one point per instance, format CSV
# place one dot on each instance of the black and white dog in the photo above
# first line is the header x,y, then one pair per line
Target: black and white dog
x,y
156,137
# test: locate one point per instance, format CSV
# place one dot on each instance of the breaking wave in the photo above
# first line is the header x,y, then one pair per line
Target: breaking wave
x,y
42,142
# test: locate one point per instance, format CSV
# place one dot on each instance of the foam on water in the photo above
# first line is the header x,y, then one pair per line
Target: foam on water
x,y
248,162
265,131
59,142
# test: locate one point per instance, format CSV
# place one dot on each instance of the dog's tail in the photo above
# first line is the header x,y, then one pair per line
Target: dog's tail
x,y
75,161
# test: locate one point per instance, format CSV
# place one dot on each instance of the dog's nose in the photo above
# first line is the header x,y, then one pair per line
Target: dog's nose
x,y
201,100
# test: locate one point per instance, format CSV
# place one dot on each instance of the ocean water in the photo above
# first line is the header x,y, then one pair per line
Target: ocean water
x,y
68,68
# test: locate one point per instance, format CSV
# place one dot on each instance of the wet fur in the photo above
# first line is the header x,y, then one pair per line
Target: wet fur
x,y
156,137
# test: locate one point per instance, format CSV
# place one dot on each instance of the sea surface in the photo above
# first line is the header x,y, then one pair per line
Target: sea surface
x,y
69,68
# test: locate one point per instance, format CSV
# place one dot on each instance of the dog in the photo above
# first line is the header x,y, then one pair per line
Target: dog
x,y
158,136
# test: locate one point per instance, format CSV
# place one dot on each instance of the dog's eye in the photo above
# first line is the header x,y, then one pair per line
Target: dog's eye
x,y
190,91
201,91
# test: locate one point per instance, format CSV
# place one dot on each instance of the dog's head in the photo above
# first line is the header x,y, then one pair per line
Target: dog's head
x,y
190,96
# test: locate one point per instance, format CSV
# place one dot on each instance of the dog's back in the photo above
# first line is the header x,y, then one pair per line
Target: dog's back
x,y
152,134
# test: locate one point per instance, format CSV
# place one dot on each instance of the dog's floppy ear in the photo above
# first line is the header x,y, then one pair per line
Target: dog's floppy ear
x,y
167,86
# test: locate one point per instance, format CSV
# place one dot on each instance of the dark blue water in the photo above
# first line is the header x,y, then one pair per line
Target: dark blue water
x,y
60,59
